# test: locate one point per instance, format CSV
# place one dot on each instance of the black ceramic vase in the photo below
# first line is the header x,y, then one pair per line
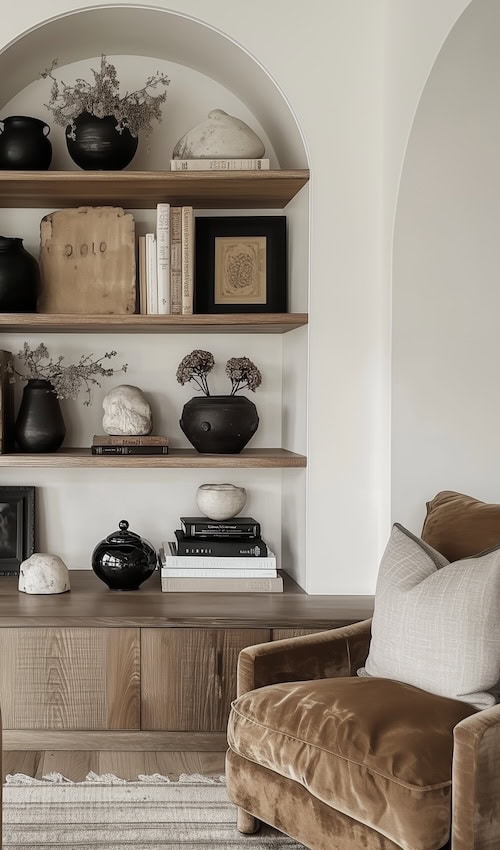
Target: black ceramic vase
x,y
123,560
39,425
24,144
98,145
19,277
219,424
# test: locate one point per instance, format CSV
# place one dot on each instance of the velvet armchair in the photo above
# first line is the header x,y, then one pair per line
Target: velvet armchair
x,y
341,762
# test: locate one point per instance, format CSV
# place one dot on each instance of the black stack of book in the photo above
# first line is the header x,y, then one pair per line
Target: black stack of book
x,y
219,556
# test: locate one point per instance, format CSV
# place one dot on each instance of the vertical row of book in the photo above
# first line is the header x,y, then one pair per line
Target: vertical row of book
x,y
166,263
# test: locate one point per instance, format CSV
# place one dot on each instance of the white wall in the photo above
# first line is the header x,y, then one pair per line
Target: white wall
x,y
352,71
446,404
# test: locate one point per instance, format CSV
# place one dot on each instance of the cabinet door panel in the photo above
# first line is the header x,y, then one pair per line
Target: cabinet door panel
x,y
70,678
188,676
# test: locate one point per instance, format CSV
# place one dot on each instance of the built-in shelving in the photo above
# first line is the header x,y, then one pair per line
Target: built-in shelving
x,y
176,459
145,189
276,323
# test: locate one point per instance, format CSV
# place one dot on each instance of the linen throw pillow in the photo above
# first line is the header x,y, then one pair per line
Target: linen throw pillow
x,y
436,625
458,525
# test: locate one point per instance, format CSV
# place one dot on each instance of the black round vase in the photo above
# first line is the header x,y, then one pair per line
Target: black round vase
x,y
19,277
24,144
219,424
123,560
98,145
39,425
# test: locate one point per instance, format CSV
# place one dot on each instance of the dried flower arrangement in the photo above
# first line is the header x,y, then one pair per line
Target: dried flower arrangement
x,y
67,381
134,111
195,367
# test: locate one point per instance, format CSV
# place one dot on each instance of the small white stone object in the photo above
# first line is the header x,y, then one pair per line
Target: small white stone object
x,y
41,573
221,136
221,501
126,411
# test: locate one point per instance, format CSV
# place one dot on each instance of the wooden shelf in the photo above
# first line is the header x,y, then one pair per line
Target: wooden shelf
x,y
145,189
277,323
177,459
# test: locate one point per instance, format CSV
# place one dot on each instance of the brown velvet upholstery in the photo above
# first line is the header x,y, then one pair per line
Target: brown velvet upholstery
x,y
459,526
358,764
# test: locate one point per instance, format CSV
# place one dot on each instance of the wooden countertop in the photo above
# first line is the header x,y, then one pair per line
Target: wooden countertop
x,y
91,604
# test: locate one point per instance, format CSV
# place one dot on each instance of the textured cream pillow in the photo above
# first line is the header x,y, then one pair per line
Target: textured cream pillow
x,y
436,625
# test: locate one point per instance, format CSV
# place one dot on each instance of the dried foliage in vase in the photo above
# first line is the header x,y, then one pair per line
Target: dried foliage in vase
x,y
134,111
241,371
67,380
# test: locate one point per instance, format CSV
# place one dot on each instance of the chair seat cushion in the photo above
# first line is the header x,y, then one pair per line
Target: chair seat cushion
x,y
378,750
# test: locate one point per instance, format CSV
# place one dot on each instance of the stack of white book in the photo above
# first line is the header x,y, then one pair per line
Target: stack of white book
x,y
219,164
166,263
207,573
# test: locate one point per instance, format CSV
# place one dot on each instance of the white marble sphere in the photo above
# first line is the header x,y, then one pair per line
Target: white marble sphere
x,y
220,501
41,573
220,136
126,411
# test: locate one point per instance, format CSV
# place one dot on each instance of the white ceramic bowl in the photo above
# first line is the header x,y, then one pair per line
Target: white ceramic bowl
x,y
220,501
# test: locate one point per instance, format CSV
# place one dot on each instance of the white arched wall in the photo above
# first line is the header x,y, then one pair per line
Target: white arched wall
x,y
353,72
446,350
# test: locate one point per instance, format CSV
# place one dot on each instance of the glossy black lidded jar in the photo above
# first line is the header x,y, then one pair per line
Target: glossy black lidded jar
x,y
24,144
124,560
19,277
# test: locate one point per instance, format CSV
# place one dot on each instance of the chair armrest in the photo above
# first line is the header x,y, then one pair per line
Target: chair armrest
x,y
337,652
476,782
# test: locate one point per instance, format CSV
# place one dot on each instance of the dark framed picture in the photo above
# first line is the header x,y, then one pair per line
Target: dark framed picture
x,y
241,265
17,527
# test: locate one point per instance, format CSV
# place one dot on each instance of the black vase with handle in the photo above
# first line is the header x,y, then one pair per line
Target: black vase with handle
x,y
24,144
19,277
97,144
219,424
39,425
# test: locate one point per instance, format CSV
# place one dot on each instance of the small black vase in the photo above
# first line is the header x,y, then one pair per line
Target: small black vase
x,y
219,424
19,277
24,144
98,145
39,425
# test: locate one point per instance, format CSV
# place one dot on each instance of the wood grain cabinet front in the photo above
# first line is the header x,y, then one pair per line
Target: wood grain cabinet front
x,y
70,678
188,676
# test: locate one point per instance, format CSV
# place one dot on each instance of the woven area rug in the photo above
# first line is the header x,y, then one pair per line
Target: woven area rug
x,y
107,813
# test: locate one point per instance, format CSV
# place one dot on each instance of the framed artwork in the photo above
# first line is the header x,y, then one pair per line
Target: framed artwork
x,y
241,265
17,527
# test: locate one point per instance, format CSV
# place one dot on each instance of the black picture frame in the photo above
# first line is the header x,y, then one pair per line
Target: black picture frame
x,y
17,527
240,264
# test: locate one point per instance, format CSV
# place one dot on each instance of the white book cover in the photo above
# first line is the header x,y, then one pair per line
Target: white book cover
x,y
170,560
176,260
174,572
219,165
151,284
163,257
187,260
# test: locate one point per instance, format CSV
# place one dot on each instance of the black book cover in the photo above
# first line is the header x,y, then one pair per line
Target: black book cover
x,y
198,526
249,547
129,450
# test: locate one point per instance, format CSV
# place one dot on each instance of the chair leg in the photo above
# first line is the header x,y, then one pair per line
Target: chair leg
x,y
247,824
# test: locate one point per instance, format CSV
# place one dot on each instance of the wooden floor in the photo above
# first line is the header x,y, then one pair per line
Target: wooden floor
x,y
127,765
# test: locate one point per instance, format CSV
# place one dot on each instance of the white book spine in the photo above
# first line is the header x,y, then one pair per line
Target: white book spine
x,y
219,164
163,257
151,286
174,572
187,259
176,260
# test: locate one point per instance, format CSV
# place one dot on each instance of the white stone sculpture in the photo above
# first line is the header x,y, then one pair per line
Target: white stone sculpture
x,y
41,573
220,501
126,411
220,136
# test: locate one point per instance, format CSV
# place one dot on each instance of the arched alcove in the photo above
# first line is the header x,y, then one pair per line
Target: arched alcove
x,y
159,34
446,297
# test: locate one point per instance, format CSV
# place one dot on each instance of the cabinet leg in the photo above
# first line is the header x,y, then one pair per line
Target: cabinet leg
x,y
247,823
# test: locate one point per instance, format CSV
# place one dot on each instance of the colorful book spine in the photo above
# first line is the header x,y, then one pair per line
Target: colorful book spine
x,y
219,164
222,585
163,257
187,260
152,289
176,260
